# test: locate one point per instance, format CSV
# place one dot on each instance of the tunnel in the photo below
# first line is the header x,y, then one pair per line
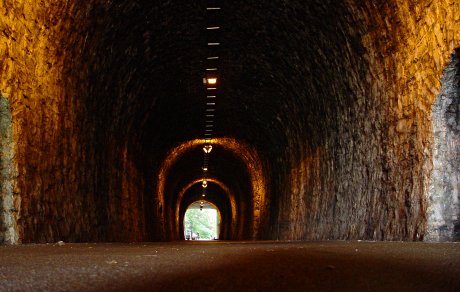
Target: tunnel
x,y
328,120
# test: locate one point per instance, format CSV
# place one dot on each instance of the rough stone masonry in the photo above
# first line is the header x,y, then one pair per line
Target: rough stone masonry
x,y
342,101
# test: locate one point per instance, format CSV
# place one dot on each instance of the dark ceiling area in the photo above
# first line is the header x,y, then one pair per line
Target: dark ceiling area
x,y
275,64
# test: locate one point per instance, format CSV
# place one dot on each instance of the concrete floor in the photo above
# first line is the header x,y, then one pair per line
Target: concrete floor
x,y
235,266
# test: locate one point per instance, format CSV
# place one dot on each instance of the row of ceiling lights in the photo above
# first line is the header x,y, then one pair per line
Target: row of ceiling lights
x,y
210,80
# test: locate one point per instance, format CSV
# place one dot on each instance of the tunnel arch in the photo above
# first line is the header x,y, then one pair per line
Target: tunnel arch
x,y
234,232
249,157
334,98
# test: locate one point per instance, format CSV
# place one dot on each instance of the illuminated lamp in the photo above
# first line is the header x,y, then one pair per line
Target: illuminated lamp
x,y
212,81
207,148
204,184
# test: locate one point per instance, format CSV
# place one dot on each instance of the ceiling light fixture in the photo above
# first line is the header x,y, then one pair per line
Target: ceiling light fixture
x,y
207,148
212,81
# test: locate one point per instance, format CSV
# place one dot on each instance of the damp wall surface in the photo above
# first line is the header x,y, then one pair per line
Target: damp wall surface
x,y
359,160
444,194
8,201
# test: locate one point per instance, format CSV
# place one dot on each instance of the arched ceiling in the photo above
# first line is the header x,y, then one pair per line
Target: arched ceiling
x,y
149,61
320,104
275,60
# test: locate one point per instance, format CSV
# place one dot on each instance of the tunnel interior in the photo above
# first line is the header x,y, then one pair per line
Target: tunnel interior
x,y
217,196
322,128
227,186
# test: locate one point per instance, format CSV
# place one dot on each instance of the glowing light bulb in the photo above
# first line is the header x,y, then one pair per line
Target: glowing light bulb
x,y
203,195
207,148
204,184
212,81
205,168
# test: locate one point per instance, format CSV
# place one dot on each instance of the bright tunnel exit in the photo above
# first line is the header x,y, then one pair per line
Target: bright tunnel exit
x,y
202,221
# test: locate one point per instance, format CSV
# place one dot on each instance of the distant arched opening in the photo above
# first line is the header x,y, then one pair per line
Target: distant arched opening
x,y
255,203
202,221
222,197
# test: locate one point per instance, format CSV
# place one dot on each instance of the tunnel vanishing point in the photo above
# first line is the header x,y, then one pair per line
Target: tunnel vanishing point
x,y
332,119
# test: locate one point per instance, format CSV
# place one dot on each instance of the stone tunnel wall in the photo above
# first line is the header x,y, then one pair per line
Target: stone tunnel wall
x,y
358,160
72,184
444,194
370,178
421,37
8,226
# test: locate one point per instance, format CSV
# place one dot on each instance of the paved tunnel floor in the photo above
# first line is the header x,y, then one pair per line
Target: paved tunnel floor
x,y
232,266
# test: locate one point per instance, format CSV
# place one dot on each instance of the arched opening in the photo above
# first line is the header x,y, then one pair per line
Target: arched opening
x,y
326,141
444,193
231,217
202,221
221,197
239,184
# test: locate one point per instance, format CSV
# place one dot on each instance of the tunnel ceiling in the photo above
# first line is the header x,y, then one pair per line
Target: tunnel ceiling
x,y
328,105
188,169
148,63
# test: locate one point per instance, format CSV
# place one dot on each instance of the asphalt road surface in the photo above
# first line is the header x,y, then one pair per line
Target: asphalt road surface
x,y
232,266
